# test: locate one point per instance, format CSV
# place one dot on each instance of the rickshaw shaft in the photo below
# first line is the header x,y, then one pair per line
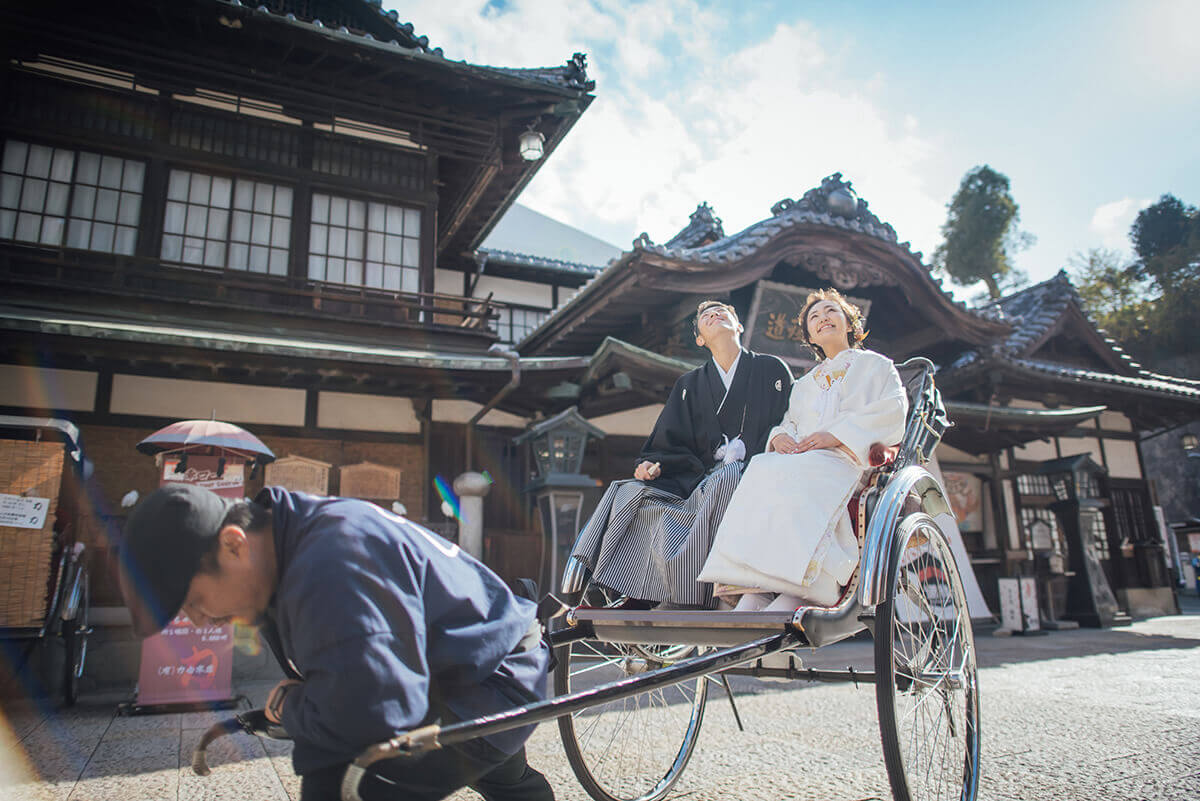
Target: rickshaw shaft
x,y
432,737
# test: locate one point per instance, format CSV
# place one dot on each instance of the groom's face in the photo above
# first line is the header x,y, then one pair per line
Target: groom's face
x,y
715,322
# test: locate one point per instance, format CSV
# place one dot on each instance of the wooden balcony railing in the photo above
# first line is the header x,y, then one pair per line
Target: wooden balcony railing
x,y
226,291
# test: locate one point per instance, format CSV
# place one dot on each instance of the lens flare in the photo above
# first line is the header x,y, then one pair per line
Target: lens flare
x,y
449,499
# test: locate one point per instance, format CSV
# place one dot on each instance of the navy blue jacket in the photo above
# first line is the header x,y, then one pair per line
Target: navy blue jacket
x,y
379,615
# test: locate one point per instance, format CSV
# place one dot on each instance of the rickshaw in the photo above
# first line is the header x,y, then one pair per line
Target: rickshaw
x,y
42,563
631,684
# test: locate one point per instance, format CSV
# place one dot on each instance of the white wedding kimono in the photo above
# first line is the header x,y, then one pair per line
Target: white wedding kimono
x,y
786,529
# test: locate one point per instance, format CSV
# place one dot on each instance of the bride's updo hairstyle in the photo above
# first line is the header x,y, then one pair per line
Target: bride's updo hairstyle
x,y
856,334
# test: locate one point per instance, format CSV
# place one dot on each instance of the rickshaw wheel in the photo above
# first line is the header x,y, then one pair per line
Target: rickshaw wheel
x,y
927,689
636,748
75,633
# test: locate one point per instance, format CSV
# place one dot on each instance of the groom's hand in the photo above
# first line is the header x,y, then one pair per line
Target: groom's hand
x,y
647,471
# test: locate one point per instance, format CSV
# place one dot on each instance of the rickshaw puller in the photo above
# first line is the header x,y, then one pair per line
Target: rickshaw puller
x,y
390,626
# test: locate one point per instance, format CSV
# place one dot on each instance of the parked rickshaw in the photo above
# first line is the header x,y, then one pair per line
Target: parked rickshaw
x,y
44,586
631,685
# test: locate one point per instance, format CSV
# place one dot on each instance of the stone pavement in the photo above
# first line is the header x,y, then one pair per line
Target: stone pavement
x,y
1070,715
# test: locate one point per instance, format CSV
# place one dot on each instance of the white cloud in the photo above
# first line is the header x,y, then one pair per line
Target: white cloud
x,y
687,110
1111,221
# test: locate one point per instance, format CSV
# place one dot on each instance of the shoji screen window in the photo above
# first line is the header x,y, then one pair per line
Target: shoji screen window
x,y
232,223
55,196
367,244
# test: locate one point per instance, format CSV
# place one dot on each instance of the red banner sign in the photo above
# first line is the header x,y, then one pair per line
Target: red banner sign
x,y
184,663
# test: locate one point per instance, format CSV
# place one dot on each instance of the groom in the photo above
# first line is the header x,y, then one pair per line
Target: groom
x,y
650,535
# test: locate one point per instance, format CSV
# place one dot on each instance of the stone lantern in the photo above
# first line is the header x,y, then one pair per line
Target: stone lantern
x,y
558,444
1079,505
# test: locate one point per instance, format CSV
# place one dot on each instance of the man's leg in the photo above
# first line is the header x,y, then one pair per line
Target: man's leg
x,y
513,780
426,778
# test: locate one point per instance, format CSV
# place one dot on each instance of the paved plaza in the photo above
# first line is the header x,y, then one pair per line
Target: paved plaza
x,y
1085,714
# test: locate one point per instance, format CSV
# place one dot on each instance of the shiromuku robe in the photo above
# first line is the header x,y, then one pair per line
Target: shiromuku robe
x,y
786,528
648,539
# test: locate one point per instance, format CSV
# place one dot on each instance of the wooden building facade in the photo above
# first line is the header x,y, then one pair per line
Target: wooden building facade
x,y
279,216
246,211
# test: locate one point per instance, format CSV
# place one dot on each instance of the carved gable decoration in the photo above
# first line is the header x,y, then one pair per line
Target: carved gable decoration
x,y
371,481
299,474
845,273
772,326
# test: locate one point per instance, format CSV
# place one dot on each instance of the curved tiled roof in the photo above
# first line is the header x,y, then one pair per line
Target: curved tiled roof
x,y
833,204
1037,308
1146,380
572,76
526,260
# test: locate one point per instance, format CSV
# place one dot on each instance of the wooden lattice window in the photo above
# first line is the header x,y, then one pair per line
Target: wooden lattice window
x,y
56,196
363,243
222,222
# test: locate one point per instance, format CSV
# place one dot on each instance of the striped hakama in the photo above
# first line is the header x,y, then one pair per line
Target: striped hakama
x,y
646,543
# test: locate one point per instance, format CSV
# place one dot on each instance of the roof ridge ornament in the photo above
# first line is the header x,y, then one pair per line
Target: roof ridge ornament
x,y
835,202
703,228
577,77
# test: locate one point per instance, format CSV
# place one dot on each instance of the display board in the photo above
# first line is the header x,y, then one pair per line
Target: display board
x,y
185,663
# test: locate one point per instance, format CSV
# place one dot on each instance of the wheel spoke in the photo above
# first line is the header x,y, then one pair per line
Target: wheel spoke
x,y
630,749
927,692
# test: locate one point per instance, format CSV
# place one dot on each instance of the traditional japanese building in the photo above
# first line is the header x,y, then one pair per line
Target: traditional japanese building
x,y
1029,379
299,217
272,214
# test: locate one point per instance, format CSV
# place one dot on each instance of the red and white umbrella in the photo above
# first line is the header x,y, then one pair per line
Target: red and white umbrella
x,y
188,434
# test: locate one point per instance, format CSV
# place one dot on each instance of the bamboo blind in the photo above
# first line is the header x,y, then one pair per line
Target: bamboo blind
x,y
26,555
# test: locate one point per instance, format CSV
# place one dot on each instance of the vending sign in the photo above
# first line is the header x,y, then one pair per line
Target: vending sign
x,y
185,663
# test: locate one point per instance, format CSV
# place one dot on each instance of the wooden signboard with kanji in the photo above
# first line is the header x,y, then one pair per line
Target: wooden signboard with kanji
x,y
773,325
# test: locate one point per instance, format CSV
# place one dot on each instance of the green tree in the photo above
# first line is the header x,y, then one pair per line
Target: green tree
x,y
1151,306
980,232
1166,238
1113,294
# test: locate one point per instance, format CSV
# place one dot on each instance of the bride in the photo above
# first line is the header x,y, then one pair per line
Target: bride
x,y
786,529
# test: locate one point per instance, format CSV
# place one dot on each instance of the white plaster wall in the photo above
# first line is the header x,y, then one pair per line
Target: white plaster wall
x,y
448,282
512,291
460,411
47,388
1022,403
1122,458
631,422
1115,421
1088,445
183,399
1036,451
948,454
366,413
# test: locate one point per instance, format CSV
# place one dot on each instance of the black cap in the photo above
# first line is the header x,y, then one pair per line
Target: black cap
x,y
165,537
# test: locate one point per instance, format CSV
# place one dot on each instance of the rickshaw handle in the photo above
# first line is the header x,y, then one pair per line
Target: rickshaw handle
x,y
428,738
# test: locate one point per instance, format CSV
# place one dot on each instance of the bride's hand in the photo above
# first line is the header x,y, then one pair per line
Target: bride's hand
x,y
818,441
783,443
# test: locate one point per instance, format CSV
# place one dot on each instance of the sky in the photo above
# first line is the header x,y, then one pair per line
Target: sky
x,y
1092,109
